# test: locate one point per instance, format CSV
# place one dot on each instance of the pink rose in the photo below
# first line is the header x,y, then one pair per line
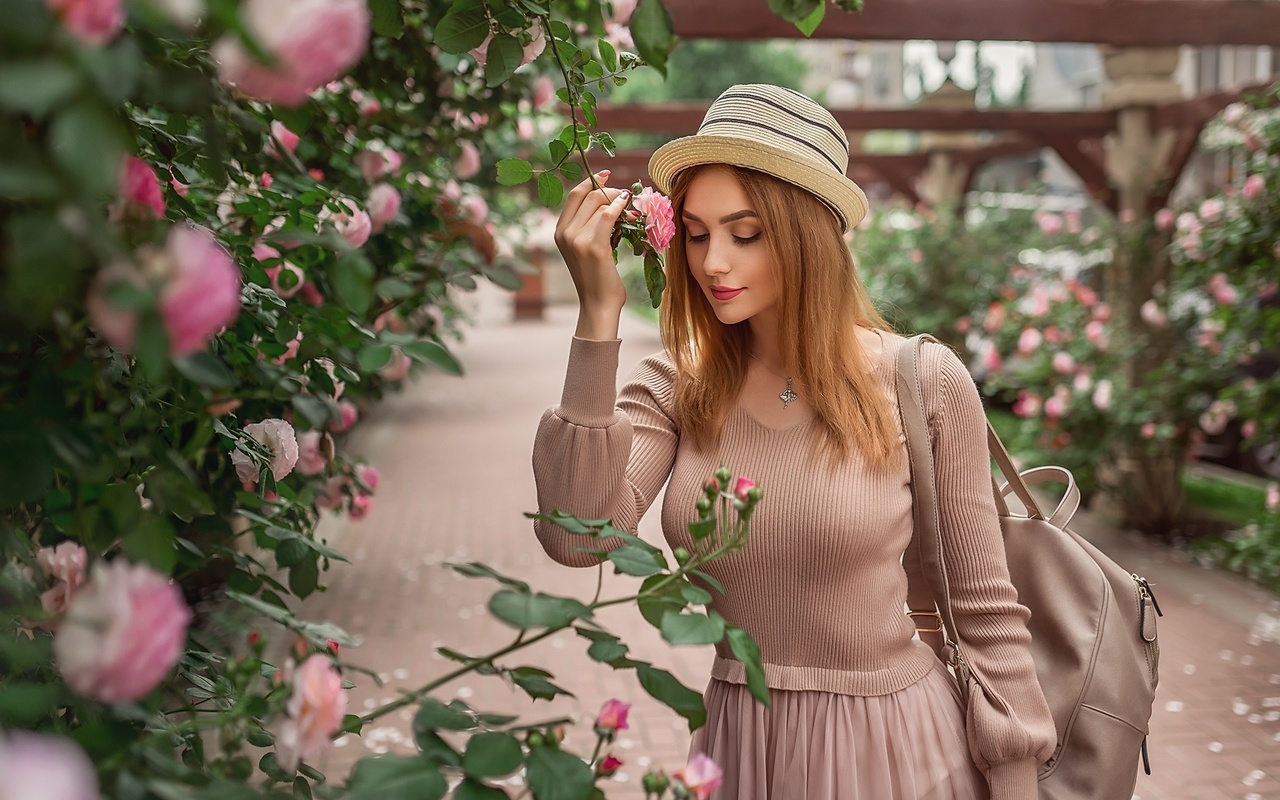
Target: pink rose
x,y
1027,404
331,494
179,188
612,717
1188,222
622,10
279,133
619,36
383,205
313,450
1050,224
1056,406
311,41
122,634
1233,113
468,161
377,160
1148,430
290,350
347,416
139,188
544,91
360,505
1082,382
741,487
995,318
659,217
310,295
350,221
525,129
609,765
1102,312
1190,243
991,360
1253,187
1249,428
1096,332
1102,395
701,776
317,704
474,209
67,565
1211,209
369,476
41,767
1029,340
278,438
93,22
1153,315
964,325
1273,496
1063,363
398,367
1164,219
1223,292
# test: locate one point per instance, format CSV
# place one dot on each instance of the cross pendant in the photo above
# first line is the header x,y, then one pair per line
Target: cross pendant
x,y
788,397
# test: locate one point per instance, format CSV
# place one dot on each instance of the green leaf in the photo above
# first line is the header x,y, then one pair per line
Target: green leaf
x,y
24,703
435,354
463,28
702,529
514,171
174,491
572,171
502,59
558,150
653,33
630,560
694,595
491,755
608,55
655,280
689,628
434,715
748,652
26,470
556,774
36,86
605,142
374,357
522,610
86,140
474,790
206,369
810,23
663,686
795,10
388,20
550,189
710,581
535,684
390,288
304,577
504,275
607,651
397,778
655,604
352,279
317,633
473,569
152,540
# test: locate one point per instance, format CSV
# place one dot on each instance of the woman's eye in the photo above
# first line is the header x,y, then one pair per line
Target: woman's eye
x,y
702,237
746,239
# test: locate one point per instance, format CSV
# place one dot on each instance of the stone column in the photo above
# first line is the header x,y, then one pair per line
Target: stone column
x,y
942,182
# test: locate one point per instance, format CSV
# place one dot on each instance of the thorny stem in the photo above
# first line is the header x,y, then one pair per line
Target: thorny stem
x,y
573,106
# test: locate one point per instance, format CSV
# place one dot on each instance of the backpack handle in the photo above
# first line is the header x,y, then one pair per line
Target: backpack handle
x,y
1070,503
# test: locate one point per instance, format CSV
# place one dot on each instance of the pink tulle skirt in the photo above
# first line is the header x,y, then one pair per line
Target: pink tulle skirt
x,y
908,745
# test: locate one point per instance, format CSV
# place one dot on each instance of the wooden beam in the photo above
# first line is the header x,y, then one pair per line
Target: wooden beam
x,y
1144,23
1199,110
1086,162
1183,147
685,117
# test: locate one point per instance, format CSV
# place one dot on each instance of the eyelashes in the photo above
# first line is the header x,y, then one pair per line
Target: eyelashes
x,y
737,239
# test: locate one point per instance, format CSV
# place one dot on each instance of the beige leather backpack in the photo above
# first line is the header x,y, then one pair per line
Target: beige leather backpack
x,y
1093,623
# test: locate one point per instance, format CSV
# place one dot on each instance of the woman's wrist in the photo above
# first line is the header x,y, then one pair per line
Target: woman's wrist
x,y
598,324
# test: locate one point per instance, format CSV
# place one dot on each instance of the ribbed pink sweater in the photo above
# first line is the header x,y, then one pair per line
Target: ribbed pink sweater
x,y
820,584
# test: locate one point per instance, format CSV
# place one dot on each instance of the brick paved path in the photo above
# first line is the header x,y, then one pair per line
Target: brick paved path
x,y
454,457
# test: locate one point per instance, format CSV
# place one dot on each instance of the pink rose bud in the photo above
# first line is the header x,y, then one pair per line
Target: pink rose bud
x,y
1164,219
360,505
1027,404
468,161
310,42
700,777
741,487
285,137
1148,430
350,221
612,717
368,475
93,22
43,767
383,205
254,638
278,437
659,217
310,295
1249,428
123,633
333,646
314,712
1253,187
67,564
347,416
1102,395
313,452
1095,331
139,189
609,765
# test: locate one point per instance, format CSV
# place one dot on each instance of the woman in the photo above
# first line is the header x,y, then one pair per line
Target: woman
x,y
777,366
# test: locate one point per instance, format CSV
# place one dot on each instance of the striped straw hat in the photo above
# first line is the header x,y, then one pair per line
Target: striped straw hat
x,y
776,131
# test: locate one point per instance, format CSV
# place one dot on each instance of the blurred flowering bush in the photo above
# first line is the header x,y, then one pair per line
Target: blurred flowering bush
x,y
227,227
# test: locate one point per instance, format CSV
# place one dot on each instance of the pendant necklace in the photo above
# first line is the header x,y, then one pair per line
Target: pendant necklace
x,y
788,395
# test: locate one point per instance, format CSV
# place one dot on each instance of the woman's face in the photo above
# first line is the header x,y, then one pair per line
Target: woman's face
x,y
725,247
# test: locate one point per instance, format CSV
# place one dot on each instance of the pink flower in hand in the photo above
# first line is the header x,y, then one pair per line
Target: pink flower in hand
x,y
612,717
278,438
139,188
311,41
701,776
317,704
659,217
93,22
741,487
41,767
67,564
383,205
123,633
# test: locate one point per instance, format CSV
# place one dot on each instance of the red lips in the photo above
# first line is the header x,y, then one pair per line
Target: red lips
x,y
725,293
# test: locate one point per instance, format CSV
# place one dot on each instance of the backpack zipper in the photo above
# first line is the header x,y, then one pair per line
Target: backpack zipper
x,y
1143,590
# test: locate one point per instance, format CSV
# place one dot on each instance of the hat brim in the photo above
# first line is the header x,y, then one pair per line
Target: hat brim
x,y
841,195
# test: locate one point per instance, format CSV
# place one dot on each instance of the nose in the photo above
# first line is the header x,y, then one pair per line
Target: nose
x,y
716,261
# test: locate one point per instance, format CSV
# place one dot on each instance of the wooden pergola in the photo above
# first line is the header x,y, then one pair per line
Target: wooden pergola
x,y
1078,137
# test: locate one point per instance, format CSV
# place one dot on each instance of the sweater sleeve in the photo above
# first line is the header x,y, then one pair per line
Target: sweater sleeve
x,y
601,453
1010,729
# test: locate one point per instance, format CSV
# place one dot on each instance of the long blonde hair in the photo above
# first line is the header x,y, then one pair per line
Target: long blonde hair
x,y
821,301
